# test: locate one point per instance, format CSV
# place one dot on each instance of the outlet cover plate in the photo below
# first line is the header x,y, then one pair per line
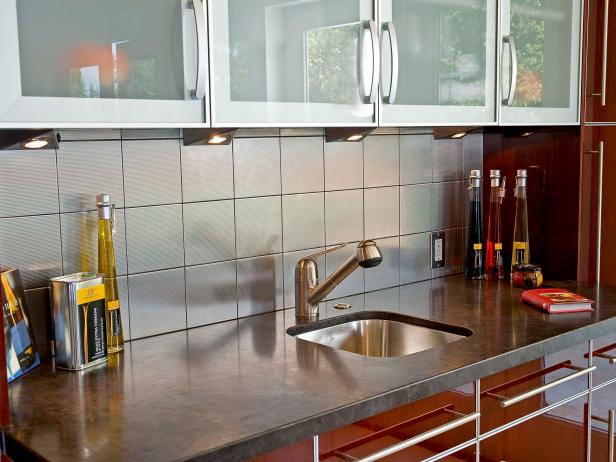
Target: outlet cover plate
x,y
438,250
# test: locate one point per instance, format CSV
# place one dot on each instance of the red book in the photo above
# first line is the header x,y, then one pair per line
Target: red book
x,y
556,300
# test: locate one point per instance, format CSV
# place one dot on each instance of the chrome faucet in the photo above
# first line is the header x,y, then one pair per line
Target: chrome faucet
x,y
308,291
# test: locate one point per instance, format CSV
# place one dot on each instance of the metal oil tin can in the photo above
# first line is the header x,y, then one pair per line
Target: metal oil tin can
x,y
79,320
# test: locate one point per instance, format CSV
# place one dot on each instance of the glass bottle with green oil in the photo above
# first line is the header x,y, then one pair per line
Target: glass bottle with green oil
x,y
107,266
521,244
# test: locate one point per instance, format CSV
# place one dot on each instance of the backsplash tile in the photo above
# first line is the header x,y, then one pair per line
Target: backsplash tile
x,y
28,183
210,233
152,172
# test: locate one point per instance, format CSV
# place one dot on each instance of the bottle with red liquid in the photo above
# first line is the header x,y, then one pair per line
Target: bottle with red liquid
x,y
494,269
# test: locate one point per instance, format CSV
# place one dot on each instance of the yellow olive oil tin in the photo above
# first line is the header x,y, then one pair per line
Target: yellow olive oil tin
x,y
79,320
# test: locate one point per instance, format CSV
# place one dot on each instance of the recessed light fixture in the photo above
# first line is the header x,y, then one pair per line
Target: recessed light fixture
x,y
458,135
355,137
342,134
525,134
217,139
36,143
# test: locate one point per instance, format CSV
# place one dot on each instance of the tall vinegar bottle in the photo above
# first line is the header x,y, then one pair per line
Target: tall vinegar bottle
x,y
494,243
521,244
106,266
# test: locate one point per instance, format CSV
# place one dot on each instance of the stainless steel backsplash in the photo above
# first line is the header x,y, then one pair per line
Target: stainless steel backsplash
x,y
211,233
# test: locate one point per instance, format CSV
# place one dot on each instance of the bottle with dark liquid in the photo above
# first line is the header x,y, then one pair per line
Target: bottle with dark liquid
x,y
494,243
521,244
474,250
106,266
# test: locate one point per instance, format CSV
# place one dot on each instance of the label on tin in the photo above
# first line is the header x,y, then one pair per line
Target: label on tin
x,y
92,319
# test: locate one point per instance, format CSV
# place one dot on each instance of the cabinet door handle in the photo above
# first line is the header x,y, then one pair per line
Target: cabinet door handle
x,y
506,402
201,80
420,438
513,82
390,28
600,151
369,97
611,418
602,353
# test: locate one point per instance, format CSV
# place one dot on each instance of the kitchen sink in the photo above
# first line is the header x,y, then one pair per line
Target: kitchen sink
x,y
379,334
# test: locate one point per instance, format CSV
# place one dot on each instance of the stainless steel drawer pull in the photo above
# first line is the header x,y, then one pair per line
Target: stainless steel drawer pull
x,y
610,431
420,438
602,352
611,359
506,402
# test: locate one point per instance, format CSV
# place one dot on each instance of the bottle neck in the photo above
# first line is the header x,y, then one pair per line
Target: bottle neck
x,y
104,212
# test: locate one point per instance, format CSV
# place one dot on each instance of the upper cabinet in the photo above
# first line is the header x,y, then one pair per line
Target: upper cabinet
x,y
540,62
438,62
601,62
293,62
101,63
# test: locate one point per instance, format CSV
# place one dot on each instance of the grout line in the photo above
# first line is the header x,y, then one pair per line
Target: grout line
x,y
237,291
183,235
125,239
59,216
282,244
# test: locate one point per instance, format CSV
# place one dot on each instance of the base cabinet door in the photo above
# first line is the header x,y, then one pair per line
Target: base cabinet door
x,y
410,423
602,420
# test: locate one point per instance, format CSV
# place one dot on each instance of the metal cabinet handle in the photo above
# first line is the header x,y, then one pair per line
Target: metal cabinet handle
x,y
201,80
369,97
600,151
420,438
506,402
513,82
601,353
390,28
606,24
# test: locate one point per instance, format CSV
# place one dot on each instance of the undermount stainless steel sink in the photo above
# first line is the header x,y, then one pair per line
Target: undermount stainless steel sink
x,y
379,334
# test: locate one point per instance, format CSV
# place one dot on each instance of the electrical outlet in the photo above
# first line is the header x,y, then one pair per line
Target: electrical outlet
x,y
438,250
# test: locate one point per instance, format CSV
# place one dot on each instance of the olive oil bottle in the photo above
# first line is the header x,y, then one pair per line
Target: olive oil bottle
x,y
521,244
106,266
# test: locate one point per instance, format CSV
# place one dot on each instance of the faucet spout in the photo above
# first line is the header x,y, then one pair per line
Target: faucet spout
x,y
309,292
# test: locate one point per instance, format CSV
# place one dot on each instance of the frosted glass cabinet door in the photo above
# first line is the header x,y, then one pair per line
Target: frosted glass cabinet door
x,y
293,62
438,62
540,69
111,62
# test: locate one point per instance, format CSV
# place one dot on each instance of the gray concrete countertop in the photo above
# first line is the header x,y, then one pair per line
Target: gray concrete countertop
x,y
235,389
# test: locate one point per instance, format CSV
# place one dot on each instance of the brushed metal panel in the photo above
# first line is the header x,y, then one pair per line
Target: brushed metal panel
x,y
455,245
381,160
382,212
415,208
209,232
383,300
150,133
258,226
152,172
416,299
32,245
344,216
28,183
97,134
290,260
344,166
472,153
211,293
353,284
207,173
415,253
448,205
416,153
303,221
357,302
259,285
447,160
154,238
257,166
80,242
302,164
39,316
387,274
157,302
88,168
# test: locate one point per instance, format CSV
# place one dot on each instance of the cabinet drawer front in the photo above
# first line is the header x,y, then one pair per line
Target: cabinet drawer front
x,y
533,386
366,437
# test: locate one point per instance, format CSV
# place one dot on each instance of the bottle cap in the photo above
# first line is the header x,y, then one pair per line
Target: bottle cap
x,y
522,173
475,174
495,173
103,200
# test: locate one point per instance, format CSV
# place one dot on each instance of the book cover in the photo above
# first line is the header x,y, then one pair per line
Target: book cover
x,y
556,300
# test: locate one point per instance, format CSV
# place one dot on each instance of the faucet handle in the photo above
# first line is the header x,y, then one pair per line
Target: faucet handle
x,y
323,252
